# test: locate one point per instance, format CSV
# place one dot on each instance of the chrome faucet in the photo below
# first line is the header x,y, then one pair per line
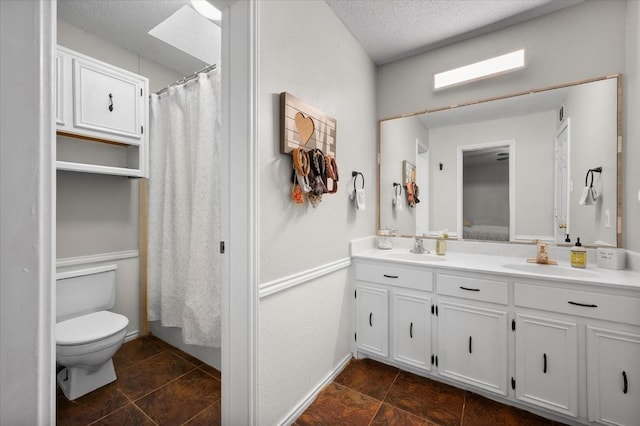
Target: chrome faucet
x,y
418,246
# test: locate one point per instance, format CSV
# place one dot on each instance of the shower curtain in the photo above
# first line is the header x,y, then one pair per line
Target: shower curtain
x,y
184,263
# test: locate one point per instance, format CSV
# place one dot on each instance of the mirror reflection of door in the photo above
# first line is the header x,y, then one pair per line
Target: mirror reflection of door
x,y
486,193
561,222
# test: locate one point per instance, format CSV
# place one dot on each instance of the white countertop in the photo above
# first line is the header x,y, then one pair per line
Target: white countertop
x,y
511,266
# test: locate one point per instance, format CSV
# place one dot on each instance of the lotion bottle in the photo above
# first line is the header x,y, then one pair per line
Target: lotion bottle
x,y
441,244
578,255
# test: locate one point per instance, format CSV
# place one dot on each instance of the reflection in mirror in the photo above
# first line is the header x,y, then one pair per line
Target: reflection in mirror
x,y
541,144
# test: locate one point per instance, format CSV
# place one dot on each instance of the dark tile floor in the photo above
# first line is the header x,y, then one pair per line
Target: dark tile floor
x,y
370,393
157,384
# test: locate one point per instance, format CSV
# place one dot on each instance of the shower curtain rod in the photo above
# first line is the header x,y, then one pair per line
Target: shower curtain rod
x,y
187,78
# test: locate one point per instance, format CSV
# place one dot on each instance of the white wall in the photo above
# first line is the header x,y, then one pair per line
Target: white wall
x,y
533,162
590,111
400,144
306,51
27,193
591,39
486,193
631,132
98,214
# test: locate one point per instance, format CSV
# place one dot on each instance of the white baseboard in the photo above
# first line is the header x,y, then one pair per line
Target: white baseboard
x,y
308,400
132,335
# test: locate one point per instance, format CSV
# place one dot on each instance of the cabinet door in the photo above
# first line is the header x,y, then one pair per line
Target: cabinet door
x,y
472,345
411,329
106,100
613,377
372,319
547,363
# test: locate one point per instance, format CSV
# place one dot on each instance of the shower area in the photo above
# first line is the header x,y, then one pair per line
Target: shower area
x,y
163,233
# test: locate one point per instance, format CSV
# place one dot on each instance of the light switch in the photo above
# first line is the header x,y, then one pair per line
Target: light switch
x,y
607,218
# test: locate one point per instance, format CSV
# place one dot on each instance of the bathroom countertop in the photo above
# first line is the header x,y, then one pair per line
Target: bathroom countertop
x,y
509,266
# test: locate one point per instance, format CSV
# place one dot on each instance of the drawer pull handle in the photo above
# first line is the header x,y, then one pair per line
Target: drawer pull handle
x,y
626,384
544,367
469,289
370,315
586,305
110,102
411,330
389,276
470,344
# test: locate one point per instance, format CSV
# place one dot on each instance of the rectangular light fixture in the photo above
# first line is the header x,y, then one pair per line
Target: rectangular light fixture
x,y
488,68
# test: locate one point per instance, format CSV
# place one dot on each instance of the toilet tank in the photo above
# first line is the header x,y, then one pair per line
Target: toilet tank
x,y
81,291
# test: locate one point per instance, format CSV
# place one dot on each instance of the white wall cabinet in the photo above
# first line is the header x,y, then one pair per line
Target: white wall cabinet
x,y
613,376
100,104
411,328
472,345
547,363
372,312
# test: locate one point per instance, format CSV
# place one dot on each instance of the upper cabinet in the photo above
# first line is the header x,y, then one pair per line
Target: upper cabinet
x,y
101,103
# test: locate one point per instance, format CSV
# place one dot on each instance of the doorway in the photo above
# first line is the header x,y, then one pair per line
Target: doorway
x,y
486,191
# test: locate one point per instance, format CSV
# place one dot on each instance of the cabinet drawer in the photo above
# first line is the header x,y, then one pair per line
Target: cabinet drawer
x,y
582,303
407,277
473,288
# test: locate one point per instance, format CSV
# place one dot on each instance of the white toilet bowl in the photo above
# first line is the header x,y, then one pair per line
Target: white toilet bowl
x,y
85,342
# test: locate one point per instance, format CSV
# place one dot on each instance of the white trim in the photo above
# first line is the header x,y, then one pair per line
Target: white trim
x,y
240,314
88,271
132,335
281,284
311,396
97,258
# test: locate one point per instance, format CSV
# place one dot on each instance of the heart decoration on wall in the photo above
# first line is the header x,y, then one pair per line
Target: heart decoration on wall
x,y
305,127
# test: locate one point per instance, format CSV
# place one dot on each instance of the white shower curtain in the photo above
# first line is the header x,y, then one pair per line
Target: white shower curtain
x,y
184,263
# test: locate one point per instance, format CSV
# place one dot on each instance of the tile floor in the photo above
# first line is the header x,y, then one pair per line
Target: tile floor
x,y
157,385
371,393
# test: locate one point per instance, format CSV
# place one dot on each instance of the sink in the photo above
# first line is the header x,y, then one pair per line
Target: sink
x,y
553,270
424,257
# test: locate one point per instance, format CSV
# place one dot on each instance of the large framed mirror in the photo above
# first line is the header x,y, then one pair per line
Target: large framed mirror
x,y
544,164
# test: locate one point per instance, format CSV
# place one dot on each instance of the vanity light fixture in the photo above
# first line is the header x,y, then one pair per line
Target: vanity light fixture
x,y
488,68
206,9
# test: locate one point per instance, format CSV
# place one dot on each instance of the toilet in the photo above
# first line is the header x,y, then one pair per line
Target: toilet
x,y
87,333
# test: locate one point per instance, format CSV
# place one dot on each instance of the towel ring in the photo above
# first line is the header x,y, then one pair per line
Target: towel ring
x,y
355,176
590,172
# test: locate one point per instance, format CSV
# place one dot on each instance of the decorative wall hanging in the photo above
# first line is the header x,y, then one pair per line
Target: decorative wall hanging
x,y
302,126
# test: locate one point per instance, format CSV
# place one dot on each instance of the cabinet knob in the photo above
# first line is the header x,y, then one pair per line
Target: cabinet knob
x,y
625,386
544,363
110,102
370,316
411,330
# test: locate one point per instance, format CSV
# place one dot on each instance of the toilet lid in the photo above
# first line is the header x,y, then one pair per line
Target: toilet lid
x,y
89,328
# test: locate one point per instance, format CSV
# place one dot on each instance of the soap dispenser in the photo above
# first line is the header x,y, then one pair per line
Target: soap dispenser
x,y
578,255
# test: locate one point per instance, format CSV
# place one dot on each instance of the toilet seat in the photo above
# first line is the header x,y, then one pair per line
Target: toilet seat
x,y
89,328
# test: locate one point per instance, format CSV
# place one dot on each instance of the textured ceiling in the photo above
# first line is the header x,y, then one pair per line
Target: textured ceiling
x,y
387,29
126,23
393,29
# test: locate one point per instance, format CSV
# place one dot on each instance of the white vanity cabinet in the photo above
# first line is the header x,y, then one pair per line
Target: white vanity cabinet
x,y
472,336
372,319
393,313
411,328
547,363
613,376
98,102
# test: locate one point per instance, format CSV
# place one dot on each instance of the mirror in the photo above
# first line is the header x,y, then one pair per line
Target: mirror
x,y
510,168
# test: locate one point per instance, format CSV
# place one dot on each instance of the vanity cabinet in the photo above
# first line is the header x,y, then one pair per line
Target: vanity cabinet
x,y
547,363
472,337
372,319
411,328
393,300
100,104
613,376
